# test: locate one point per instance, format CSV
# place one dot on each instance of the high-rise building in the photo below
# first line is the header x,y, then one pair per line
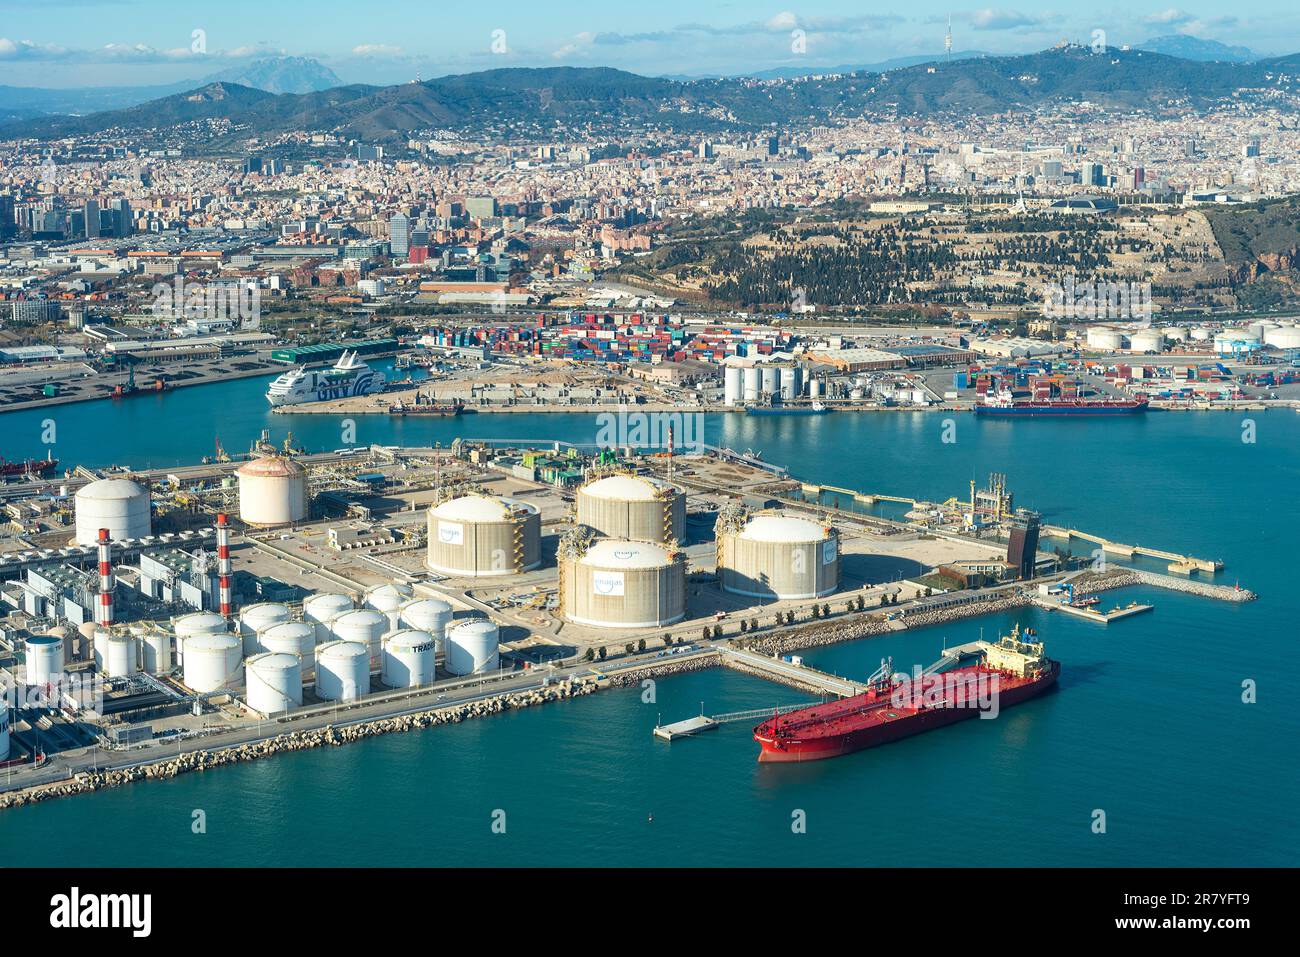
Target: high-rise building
x,y
91,212
1022,545
123,225
399,234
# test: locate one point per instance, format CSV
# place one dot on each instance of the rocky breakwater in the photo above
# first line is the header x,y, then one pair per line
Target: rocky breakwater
x,y
662,669
1204,589
202,760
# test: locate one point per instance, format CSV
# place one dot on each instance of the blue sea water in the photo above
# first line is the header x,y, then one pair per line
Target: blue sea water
x,y
1148,725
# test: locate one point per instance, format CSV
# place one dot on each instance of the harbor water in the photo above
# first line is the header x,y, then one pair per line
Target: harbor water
x,y
1147,734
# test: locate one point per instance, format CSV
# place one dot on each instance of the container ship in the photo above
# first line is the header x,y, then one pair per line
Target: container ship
x,y
350,376
1004,403
1012,669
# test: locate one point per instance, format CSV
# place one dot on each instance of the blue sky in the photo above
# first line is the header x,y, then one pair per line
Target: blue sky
x,y
59,43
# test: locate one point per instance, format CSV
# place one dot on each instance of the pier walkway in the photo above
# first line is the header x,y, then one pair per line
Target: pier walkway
x,y
1184,563
787,672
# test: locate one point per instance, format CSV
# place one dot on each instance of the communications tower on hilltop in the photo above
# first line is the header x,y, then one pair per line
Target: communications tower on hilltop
x,y
947,40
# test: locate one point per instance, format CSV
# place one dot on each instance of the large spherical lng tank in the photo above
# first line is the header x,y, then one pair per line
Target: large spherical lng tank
x,y
779,556
291,638
481,536
322,608
119,505
473,646
621,584
409,659
633,507
342,671
272,491
273,682
255,618
211,661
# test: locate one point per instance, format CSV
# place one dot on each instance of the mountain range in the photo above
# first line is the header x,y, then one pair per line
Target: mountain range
x,y
602,98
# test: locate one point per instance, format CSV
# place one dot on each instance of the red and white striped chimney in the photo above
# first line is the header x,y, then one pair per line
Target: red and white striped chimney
x,y
106,584
223,562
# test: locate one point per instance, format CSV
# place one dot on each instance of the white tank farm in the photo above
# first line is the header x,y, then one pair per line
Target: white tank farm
x,y
428,614
291,638
732,386
44,659
321,609
211,662
115,654
342,671
119,505
481,536
620,584
473,646
273,682
779,556
197,623
409,659
272,491
633,507
389,600
366,627
255,618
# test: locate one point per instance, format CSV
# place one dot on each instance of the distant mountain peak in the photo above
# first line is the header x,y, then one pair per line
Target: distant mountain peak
x,y
281,74
1188,47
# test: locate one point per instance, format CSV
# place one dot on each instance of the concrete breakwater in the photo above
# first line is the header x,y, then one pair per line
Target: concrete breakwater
x,y
202,760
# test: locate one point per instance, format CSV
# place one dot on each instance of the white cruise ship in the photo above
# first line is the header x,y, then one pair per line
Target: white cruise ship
x,y
349,377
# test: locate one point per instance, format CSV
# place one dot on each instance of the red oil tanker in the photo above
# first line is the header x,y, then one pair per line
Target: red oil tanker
x,y
29,467
1009,671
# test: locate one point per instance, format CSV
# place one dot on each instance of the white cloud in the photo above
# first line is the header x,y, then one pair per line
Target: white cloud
x,y
785,20
1170,17
376,50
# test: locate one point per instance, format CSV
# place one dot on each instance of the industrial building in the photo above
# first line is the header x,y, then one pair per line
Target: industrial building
x,y
771,555
633,507
480,536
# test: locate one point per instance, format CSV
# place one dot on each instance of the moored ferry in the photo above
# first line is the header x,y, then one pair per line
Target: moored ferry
x,y
348,377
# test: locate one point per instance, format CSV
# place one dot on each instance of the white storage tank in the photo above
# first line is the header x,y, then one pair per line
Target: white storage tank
x,y
409,659
1202,334
1147,340
44,659
196,623
428,614
621,584
211,662
291,638
255,618
321,609
483,535
773,555
1283,337
272,491
1105,339
155,650
633,507
751,384
769,380
273,682
815,388
732,386
473,646
115,654
366,627
791,382
1176,334
389,599
119,505
342,671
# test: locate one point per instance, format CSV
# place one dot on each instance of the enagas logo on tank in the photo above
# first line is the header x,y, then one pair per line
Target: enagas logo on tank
x,y
450,533
607,583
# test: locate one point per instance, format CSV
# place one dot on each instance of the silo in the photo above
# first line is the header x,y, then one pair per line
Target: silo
x,y
272,491
291,638
389,599
211,662
365,626
633,507
771,555
751,381
481,536
769,380
254,618
115,653
196,623
732,386
791,382
321,609
44,659
119,505
428,614
409,659
273,682
621,584
342,671
473,647
815,388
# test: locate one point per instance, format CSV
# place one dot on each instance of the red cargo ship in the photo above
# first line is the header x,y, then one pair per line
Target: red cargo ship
x,y
30,467
1010,671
